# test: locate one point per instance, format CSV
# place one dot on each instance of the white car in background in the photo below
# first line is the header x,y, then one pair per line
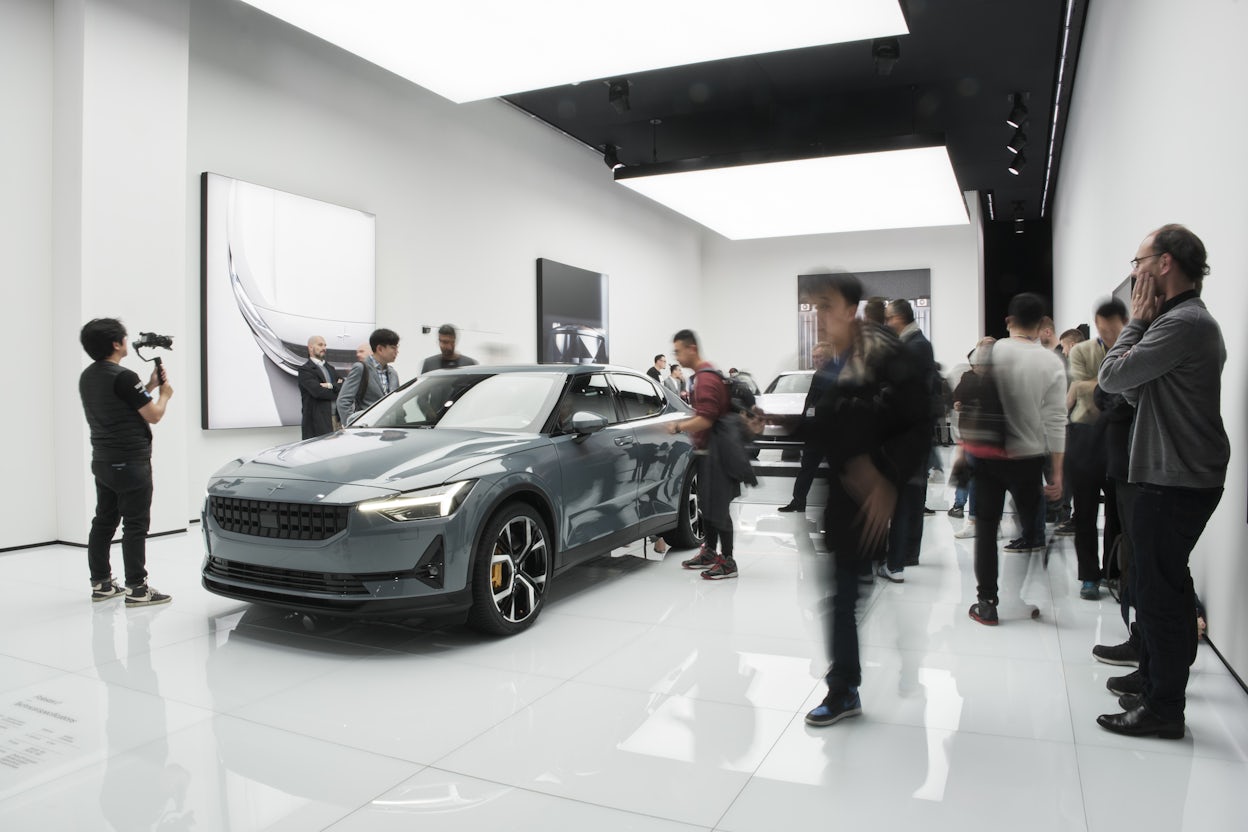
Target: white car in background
x,y
782,404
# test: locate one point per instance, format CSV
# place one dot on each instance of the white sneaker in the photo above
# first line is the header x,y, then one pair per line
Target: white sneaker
x,y
967,531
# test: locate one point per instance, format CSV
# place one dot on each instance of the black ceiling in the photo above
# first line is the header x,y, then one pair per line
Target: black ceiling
x,y
958,68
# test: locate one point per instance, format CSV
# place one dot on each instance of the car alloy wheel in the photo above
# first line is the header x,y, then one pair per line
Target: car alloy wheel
x,y
689,527
513,569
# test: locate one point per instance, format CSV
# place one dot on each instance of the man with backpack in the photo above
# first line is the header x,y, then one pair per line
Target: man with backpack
x,y
1030,382
372,378
717,431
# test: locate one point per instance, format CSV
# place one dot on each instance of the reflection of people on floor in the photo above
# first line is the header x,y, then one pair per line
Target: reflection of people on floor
x,y
142,789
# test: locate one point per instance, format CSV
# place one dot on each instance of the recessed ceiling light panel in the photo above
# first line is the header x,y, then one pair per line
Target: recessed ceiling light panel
x,y
466,50
893,189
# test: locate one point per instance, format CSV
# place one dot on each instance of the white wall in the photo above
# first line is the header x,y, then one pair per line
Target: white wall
x,y
27,487
749,289
1155,137
467,197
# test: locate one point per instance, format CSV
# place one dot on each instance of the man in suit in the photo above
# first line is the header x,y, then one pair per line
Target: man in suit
x,y
905,536
373,378
319,383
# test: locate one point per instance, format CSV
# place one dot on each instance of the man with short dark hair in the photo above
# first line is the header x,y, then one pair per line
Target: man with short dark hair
x,y
711,403
1169,361
1031,383
319,383
119,410
874,425
373,378
656,372
447,358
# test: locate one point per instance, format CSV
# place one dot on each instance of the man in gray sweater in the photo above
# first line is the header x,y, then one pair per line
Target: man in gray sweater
x,y
1031,382
1167,362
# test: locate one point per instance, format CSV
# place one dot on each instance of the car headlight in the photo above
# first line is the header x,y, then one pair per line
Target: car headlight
x,y
424,504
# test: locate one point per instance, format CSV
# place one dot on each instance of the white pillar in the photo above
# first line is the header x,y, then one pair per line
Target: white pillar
x,y
119,224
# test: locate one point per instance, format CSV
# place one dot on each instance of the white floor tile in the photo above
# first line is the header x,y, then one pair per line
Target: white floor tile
x,y
410,707
860,774
441,801
666,756
1167,792
221,774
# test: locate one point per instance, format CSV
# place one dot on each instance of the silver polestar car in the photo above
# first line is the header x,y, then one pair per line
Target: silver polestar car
x,y
465,492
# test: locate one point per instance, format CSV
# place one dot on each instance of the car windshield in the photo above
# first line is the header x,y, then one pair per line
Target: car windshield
x,y
518,402
791,383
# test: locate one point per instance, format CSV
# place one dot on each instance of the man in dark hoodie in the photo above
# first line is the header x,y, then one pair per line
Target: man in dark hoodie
x,y
876,426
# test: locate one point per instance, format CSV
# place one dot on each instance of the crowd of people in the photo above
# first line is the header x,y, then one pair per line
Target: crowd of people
x,y
1059,423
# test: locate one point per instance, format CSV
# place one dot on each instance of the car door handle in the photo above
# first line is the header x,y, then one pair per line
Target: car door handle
x,y
624,441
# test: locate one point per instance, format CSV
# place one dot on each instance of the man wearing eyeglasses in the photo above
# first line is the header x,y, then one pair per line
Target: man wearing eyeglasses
x,y
1168,362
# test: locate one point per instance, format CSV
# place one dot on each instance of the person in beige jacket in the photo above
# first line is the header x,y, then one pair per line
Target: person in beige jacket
x,y
1085,457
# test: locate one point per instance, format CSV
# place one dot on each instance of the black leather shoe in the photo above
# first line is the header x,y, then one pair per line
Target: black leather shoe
x,y
1130,701
1141,722
793,506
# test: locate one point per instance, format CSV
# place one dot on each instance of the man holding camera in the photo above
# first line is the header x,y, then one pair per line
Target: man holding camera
x,y
119,409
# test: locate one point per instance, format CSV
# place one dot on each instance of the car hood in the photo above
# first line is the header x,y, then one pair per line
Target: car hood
x,y
781,404
389,458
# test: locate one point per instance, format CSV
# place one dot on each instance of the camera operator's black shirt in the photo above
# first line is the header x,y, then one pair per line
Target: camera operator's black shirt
x,y
111,398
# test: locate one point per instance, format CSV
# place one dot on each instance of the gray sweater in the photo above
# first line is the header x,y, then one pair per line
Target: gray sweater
x,y
1031,381
1171,371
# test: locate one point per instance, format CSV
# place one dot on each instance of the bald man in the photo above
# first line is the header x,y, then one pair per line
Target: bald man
x,y
319,383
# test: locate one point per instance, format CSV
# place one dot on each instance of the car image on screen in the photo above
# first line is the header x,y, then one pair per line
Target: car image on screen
x,y
463,493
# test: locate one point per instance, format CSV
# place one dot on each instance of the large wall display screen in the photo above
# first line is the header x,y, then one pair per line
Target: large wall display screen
x,y
571,315
276,270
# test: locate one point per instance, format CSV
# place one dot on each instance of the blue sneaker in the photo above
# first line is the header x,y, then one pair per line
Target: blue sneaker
x,y
1090,591
835,708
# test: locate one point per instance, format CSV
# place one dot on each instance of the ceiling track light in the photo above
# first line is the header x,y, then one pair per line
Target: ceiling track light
x,y
1020,225
1017,164
1017,142
611,156
1018,110
617,95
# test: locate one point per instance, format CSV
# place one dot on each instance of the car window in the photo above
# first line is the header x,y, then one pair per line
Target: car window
x,y
791,383
638,395
590,394
475,401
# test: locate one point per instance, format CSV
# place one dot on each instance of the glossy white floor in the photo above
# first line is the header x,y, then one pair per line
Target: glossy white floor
x,y
645,699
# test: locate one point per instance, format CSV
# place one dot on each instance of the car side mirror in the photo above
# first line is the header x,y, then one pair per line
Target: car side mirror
x,y
584,423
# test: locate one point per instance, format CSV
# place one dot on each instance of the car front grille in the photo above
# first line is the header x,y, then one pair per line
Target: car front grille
x,y
281,521
296,580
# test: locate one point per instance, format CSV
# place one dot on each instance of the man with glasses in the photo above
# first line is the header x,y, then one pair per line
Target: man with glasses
x,y
1167,361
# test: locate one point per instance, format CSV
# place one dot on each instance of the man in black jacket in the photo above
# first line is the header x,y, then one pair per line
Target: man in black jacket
x,y
319,384
826,368
875,423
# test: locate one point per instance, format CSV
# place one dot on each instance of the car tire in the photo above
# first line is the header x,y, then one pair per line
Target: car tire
x,y
511,571
689,532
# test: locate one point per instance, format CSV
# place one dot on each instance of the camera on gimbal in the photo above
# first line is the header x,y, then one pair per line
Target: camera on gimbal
x,y
151,339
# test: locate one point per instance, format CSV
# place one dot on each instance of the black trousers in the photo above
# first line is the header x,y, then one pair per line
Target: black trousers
x,y
811,457
1022,478
123,494
844,543
1166,524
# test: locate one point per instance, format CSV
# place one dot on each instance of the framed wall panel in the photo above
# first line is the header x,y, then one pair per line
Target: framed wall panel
x,y
277,269
571,315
